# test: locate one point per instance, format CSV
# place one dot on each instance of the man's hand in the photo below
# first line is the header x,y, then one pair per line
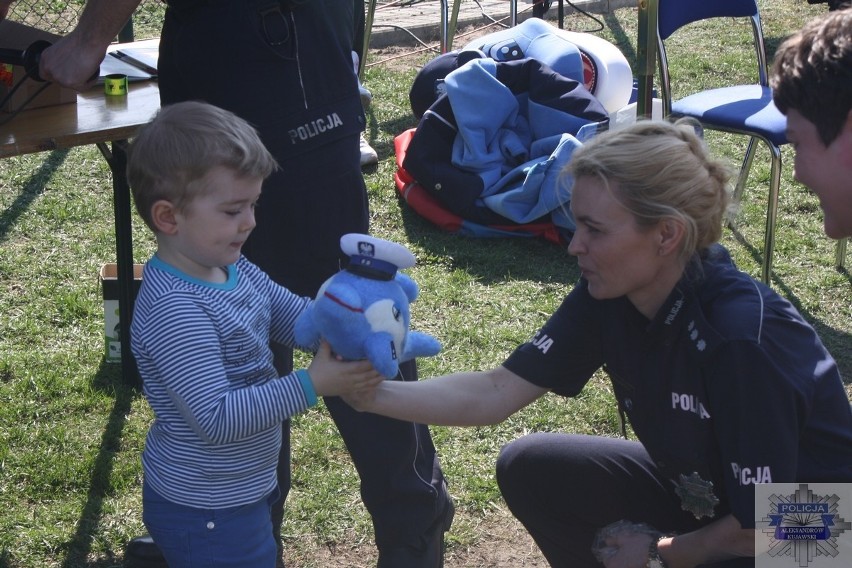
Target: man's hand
x,y
75,59
71,63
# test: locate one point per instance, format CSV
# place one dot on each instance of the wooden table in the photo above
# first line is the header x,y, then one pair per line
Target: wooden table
x,y
95,119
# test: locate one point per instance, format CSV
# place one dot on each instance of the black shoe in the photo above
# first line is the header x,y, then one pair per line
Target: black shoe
x,y
430,554
141,552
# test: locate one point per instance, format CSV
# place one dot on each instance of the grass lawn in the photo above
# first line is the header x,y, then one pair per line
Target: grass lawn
x,y
71,431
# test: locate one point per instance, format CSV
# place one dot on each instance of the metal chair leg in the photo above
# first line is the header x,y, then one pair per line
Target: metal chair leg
x,y
368,30
745,169
451,31
445,23
771,211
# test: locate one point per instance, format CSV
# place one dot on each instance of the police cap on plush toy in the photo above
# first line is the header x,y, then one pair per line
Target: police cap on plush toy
x,y
363,311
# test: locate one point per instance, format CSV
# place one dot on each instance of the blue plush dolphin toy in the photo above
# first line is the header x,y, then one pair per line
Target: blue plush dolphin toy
x,y
363,311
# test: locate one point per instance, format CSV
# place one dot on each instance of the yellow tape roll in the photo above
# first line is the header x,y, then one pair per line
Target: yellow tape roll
x,y
115,85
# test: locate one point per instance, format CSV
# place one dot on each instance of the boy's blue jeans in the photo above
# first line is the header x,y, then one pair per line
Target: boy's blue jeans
x,y
191,538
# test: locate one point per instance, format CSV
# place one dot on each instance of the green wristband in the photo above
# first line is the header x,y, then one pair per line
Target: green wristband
x,y
307,386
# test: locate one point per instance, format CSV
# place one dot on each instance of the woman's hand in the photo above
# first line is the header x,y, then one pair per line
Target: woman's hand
x,y
360,399
630,550
624,544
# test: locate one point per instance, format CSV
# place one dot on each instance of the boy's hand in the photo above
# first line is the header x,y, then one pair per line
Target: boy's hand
x,y
332,377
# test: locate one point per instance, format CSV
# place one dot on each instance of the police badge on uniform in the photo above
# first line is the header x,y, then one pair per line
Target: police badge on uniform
x,y
696,495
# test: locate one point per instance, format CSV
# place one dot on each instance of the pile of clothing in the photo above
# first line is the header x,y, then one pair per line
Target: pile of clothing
x,y
497,126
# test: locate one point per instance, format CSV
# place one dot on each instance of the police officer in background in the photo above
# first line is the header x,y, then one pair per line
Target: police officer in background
x,y
285,66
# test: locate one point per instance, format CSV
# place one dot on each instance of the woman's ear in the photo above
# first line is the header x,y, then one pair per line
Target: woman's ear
x,y
163,214
671,234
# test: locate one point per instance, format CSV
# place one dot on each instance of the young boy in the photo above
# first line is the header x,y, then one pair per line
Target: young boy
x,y
812,84
201,329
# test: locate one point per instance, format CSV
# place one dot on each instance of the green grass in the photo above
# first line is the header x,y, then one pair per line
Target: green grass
x,y
71,431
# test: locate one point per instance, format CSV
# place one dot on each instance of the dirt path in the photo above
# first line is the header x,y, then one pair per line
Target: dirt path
x,y
502,543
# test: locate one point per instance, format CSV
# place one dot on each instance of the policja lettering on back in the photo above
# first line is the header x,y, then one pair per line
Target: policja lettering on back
x,y
315,128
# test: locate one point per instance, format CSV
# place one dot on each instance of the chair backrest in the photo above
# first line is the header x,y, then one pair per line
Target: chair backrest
x,y
677,13
674,14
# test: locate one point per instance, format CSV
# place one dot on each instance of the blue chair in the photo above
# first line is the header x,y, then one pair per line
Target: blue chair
x,y
739,109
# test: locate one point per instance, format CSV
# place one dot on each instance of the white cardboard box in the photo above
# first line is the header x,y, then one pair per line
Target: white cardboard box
x,y
112,322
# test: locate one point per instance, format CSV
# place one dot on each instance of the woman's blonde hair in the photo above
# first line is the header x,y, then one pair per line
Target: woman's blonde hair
x,y
660,170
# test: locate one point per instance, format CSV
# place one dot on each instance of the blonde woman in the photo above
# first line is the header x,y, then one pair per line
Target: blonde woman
x,y
723,382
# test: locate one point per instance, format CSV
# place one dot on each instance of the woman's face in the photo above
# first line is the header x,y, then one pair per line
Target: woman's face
x,y
616,256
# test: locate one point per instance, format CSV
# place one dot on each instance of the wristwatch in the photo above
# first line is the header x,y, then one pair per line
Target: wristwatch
x,y
654,558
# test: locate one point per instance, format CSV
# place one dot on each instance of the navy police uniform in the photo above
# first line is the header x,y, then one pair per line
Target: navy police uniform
x,y
726,387
286,68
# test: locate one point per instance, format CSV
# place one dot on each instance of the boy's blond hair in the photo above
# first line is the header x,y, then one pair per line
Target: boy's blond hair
x,y
171,155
